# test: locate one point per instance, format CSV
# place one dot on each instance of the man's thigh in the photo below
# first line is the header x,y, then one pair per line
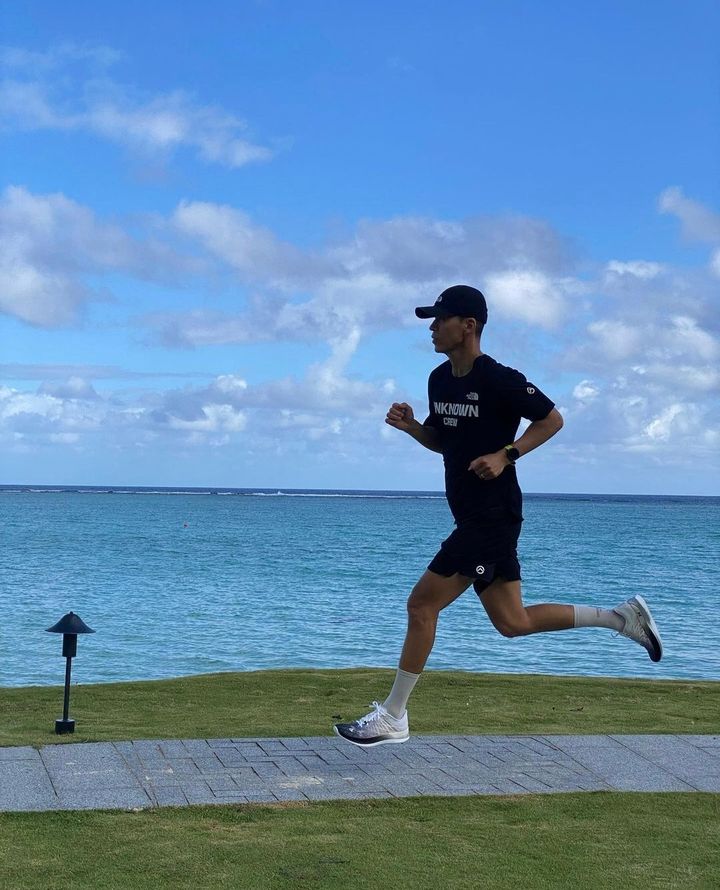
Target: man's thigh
x,y
435,591
503,602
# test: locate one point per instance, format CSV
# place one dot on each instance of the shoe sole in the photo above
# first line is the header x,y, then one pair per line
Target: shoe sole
x,y
372,743
651,627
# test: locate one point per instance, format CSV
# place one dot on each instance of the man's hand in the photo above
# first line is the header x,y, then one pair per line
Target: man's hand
x,y
490,466
400,415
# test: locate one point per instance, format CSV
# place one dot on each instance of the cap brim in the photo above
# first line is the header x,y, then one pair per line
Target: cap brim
x,y
430,312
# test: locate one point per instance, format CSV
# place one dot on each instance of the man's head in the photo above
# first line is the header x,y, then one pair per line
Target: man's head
x,y
459,312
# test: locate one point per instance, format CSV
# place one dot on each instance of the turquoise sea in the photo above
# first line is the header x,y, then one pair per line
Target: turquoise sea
x,y
198,581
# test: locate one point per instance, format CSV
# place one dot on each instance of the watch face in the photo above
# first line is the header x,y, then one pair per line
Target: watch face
x,y
513,454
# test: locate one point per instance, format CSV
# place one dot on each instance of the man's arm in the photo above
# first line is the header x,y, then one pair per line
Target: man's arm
x,y
489,466
539,432
400,415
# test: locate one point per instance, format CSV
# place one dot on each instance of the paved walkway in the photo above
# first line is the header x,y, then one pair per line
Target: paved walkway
x,y
143,774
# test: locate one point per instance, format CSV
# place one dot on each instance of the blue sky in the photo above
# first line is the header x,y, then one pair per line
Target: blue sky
x,y
216,224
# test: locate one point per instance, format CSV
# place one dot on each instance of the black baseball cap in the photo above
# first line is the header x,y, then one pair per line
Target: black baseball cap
x,y
460,299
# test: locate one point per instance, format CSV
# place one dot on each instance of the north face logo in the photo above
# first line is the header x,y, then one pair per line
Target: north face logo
x,y
473,396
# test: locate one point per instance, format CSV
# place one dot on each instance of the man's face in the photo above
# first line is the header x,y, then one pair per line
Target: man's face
x,y
448,333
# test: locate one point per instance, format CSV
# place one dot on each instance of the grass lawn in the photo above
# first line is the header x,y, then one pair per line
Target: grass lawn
x,y
600,840
306,702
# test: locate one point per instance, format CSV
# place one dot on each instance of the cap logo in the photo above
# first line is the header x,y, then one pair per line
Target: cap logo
x,y
531,390
480,570
439,300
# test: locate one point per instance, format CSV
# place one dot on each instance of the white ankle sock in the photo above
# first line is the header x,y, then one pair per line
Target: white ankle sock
x,y
396,703
590,616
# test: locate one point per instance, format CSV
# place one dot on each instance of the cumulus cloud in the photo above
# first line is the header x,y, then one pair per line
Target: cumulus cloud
x,y
284,415
630,339
530,296
156,125
699,222
371,280
252,251
585,391
61,373
50,244
72,388
642,269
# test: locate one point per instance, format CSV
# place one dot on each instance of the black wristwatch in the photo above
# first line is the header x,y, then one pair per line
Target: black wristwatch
x,y
512,453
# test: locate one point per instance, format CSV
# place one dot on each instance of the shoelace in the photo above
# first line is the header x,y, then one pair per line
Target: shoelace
x,y
373,715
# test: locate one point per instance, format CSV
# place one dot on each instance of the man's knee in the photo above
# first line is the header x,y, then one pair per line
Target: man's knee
x,y
420,606
514,626
426,601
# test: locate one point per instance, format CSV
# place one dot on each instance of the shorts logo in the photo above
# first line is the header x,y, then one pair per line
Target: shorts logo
x,y
480,570
531,390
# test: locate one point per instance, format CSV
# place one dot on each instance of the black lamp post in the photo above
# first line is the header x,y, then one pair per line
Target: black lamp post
x,y
69,626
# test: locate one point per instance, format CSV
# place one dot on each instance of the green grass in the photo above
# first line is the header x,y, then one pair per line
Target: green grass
x,y
306,702
599,840
613,841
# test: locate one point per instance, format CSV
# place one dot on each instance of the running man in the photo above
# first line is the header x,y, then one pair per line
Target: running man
x,y
475,409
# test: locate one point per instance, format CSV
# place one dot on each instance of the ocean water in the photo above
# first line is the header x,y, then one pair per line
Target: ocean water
x,y
190,582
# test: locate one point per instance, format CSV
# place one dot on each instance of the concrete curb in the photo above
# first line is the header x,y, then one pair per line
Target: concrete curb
x,y
169,772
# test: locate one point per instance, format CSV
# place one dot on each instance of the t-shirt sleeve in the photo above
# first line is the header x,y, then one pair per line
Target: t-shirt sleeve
x,y
432,419
516,394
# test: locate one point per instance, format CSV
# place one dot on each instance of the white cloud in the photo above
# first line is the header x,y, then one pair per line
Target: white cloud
x,y
686,337
62,54
585,391
660,427
642,269
529,296
616,339
284,416
214,418
252,251
698,222
55,373
165,123
72,388
49,244
682,377
54,94
372,280
639,336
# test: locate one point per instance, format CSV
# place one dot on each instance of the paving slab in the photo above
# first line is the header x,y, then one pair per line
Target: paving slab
x,y
178,772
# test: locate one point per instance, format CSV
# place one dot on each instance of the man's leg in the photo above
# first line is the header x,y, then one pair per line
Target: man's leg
x,y
429,597
388,722
503,602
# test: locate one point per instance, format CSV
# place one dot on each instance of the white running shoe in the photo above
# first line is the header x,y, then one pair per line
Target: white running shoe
x,y
640,627
379,727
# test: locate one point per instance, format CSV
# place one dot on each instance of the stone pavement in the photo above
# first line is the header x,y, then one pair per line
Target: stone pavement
x,y
143,774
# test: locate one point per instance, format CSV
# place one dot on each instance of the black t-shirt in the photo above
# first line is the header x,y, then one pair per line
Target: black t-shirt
x,y
475,415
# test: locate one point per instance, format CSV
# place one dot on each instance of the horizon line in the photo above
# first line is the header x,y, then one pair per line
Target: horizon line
x,y
281,488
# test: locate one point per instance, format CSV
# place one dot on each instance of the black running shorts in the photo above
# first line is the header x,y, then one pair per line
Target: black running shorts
x,y
480,553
